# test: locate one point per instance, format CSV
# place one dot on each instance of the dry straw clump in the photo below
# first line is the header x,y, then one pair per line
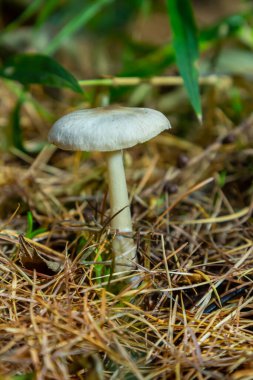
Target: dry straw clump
x,y
190,316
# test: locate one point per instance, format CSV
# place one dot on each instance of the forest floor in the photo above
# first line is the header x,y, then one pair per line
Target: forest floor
x,y
188,311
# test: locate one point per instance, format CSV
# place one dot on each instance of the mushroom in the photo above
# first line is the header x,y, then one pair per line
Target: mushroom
x,y
110,129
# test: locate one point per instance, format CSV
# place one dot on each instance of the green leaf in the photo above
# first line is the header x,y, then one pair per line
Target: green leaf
x,y
185,43
26,376
30,232
222,177
29,223
36,232
41,69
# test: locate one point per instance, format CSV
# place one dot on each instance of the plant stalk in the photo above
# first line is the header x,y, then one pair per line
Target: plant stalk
x,y
154,81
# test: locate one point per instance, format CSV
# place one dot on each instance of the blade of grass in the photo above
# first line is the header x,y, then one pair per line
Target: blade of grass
x,y
30,232
29,11
29,228
48,8
75,24
185,43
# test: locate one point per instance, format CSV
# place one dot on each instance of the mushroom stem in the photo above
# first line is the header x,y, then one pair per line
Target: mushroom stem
x,y
124,248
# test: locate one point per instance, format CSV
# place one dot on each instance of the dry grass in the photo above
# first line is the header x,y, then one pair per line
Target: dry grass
x,y
186,313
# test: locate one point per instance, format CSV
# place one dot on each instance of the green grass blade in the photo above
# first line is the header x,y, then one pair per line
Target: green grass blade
x,y
29,11
48,8
185,43
75,24
29,228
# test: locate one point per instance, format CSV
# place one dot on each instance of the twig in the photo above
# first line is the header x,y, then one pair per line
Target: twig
x,y
154,81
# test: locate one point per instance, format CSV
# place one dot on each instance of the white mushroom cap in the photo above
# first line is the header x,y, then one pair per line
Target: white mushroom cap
x,y
107,128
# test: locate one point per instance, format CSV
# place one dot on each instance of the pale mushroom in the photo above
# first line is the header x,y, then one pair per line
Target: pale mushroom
x,y
111,129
